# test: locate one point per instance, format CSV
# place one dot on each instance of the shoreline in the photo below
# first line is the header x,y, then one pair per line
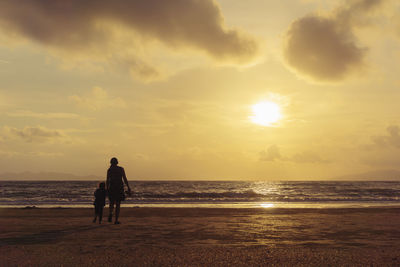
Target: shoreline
x,y
132,212
237,205
260,208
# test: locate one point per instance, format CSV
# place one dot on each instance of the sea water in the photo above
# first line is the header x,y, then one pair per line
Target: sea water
x,y
224,194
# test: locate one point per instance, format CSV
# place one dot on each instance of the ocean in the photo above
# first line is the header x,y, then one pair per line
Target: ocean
x,y
224,194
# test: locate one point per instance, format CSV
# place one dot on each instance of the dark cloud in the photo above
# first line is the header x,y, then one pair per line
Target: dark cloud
x,y
95,25
324,48
317,48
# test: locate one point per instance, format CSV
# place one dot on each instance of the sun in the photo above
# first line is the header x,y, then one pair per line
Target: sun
x,y
265,113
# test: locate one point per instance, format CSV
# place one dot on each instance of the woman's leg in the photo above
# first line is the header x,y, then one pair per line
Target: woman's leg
x,y
111,210
117,208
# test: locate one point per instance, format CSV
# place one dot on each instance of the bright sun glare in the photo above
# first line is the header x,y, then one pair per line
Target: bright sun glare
x,y
265,113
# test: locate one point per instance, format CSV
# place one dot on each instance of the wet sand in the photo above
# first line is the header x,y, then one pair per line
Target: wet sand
x,y
201,237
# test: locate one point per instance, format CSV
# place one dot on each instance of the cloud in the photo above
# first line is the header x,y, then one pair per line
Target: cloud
x,y
37,134
31,114
5,101
390,140
98,99
45,154
324,47
316,48
10,154
384,150
307,157
273,153
120,30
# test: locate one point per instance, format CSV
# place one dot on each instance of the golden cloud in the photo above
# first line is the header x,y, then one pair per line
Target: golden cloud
x,y
37,134
97,99
272,153
48,115
392,139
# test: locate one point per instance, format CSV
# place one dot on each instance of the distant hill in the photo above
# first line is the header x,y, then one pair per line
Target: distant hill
x,y
378,175
46,176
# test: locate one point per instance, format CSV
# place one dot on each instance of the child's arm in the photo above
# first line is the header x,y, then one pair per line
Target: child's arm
x,y
108,181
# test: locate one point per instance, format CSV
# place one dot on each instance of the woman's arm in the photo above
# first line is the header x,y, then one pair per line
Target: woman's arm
x,y
125,179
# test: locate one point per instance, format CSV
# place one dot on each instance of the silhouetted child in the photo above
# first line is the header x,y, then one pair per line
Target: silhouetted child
x,y
99,201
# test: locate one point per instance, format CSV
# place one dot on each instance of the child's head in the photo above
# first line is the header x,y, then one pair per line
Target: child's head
x,y
102,185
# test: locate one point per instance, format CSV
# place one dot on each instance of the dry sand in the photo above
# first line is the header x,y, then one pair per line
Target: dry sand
x,y
201,237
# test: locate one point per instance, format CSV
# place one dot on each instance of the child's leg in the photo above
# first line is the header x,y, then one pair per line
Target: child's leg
x,y
95,213
100,213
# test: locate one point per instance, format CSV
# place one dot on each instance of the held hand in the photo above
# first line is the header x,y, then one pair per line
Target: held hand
x,y
129,191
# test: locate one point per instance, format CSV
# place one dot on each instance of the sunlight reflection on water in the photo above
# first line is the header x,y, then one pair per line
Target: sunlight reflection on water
x,y
267,205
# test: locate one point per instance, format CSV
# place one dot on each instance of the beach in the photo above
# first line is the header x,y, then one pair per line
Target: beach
x,y
201,237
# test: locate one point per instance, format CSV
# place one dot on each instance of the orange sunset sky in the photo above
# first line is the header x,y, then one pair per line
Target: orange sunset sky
x,y
200,89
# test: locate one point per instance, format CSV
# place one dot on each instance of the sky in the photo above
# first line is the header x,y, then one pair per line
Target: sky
x,y
170,87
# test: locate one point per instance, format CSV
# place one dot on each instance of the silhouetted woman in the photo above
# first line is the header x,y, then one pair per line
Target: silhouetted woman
x,y
115,186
